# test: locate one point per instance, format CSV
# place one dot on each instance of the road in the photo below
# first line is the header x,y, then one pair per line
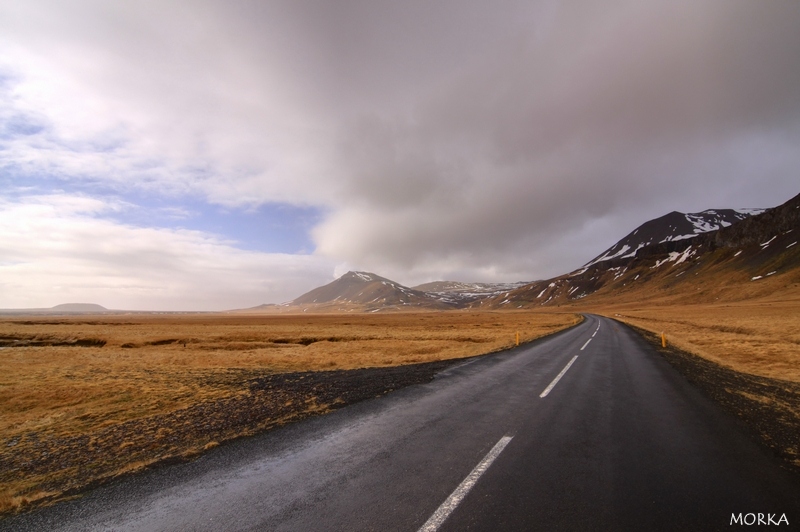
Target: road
x,y
620,442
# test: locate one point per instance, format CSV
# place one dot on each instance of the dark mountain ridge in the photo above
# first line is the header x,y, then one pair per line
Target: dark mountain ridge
x,y
462,294
717,263
673,227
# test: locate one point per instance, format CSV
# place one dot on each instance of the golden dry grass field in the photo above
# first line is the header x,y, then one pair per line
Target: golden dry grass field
x,y
67,377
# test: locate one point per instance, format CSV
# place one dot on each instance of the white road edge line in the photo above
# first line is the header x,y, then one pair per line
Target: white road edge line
x,y
447,507
558,378
587,343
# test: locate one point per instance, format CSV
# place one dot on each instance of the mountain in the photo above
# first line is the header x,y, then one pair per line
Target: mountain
x,y
366,291
720,258
463,294
719,254
673,227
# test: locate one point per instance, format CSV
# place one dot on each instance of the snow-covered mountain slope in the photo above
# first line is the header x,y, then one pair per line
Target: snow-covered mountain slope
x,y
725,262
672,227
461,294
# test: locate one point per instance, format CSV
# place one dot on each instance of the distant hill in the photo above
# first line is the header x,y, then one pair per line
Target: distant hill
x,y
265,308
66,308
78,307
364,291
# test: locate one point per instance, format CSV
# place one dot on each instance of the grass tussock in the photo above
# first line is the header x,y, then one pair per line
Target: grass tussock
x,y
78,379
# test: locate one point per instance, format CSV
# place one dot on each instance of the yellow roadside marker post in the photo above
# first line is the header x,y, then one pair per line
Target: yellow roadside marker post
x,y
517,337
663,340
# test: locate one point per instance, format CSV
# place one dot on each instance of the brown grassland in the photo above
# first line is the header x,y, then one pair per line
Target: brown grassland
x,y
73,382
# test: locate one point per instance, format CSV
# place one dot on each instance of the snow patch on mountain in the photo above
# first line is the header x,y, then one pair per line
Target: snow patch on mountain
x,y
750,212
460,293
672,227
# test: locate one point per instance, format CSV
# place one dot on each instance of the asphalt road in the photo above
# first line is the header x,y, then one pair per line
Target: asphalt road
x,y
620,442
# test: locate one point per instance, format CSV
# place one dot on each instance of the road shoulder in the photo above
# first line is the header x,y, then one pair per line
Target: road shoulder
x,y
769,409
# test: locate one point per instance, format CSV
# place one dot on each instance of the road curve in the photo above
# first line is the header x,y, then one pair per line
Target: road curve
x,y
589,429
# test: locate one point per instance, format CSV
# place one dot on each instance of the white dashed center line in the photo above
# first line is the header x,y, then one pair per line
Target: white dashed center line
x,y
447,507
455,498
558,377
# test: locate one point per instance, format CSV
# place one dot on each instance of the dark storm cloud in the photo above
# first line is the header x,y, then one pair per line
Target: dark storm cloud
x,y
495,140
624,111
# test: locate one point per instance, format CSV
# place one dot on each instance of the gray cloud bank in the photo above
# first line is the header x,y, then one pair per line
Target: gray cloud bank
x,y
575,114
504,140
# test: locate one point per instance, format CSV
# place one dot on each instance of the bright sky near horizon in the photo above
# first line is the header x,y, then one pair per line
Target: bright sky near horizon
x,y
208,155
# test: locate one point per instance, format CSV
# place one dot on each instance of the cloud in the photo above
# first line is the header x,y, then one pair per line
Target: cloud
x,y
61,248
614,113
167,98
483,141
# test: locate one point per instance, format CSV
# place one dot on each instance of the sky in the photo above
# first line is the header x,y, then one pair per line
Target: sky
x,y
211,155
